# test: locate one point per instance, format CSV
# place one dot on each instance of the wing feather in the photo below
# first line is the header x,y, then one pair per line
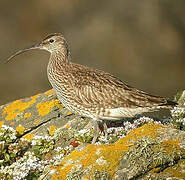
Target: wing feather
x,y
95,88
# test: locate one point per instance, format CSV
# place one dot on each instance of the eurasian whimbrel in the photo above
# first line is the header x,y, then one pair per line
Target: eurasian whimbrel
x,y
90,92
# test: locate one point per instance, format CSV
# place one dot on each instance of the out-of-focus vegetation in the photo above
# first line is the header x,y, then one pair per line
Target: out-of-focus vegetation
x,y
141,42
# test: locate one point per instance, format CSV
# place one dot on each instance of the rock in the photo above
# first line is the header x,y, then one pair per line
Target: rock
x,y
43,145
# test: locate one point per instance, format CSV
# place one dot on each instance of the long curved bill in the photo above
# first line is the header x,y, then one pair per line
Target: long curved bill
x,y
35,46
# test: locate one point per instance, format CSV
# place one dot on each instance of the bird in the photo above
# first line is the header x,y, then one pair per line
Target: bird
x,y
91,92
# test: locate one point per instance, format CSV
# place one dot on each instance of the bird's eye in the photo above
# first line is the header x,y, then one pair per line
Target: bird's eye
x,y
51,40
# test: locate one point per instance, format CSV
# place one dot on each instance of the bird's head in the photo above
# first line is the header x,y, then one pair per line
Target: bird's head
x,y
52,43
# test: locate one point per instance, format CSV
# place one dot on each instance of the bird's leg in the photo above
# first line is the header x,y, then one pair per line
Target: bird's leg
x,y
105,129
96,130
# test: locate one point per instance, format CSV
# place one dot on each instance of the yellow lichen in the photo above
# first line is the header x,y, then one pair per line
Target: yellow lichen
x,y
1,123
45,107
20,129
36,122
52,130
87,158
28,136
17,107
49,92
27,115
58,104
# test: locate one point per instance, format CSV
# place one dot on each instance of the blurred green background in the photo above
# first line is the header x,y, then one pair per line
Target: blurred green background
x,y
141,42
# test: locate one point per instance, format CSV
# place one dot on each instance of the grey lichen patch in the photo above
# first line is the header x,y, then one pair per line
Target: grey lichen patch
x,y
76,173
178,112
138,158
147,154
171,172
63,136
180,97
178,117
101,175
80,173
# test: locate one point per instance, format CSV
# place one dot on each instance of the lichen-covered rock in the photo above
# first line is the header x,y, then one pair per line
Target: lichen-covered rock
x,y
38,114
143,152
40,139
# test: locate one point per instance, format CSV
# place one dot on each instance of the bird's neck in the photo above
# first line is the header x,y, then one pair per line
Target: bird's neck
x,y
59,57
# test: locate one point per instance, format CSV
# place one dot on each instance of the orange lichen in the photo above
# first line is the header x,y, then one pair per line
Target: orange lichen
x,y
69,113
17,107
45,107
177,171
145,130
62,172
29,136
55,177
84,177
168,145
108,154
20,129
88,157
36,122
49,92
52,129
1,123
67,126
27,115
48,155
12,123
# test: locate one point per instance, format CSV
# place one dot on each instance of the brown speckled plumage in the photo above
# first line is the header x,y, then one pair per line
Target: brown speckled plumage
x,y
91,92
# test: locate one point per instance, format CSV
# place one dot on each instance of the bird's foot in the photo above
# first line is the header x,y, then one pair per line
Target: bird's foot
x,y
96,131
105,129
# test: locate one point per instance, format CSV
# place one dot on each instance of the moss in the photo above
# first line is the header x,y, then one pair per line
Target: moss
x,y
11,148
42,145
21,159
178,96
17,107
